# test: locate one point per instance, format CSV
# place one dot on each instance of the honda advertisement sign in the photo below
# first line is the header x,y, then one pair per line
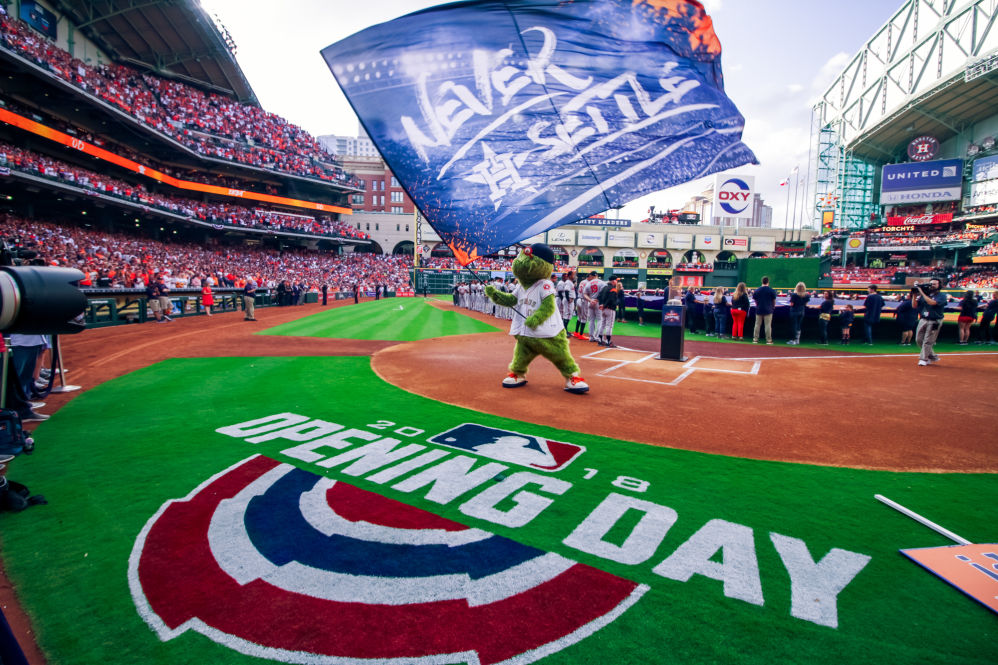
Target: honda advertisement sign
x,y
733,195
923,182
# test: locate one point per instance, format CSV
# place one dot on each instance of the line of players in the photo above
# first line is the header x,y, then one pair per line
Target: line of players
x,y
592,301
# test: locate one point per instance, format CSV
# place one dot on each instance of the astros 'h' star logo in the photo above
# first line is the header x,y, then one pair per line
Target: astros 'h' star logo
x,y
280,563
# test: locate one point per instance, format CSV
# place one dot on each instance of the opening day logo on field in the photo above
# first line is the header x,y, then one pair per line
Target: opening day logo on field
x,y
277,561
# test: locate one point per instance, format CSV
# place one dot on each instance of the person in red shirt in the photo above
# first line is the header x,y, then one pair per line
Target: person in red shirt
x,y
207,297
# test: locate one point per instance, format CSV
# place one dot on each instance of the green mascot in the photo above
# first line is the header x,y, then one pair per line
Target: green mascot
x,y
538,328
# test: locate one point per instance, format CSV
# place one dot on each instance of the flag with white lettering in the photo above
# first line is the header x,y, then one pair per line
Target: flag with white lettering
x,y
503,119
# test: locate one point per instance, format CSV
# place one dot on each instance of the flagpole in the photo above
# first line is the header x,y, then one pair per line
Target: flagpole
x,y
796,187
787,211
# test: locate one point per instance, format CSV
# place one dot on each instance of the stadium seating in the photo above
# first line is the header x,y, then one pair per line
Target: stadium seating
x,y
209,124
117,260
217,213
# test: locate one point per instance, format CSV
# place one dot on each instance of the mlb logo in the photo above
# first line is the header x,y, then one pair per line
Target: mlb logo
x,y
949,171
504,445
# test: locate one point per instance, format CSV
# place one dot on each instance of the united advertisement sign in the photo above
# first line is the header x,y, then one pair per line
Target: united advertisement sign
x,y
923,182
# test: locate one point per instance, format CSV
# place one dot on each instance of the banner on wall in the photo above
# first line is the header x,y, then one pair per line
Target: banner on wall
x,y
735,243
561,237
95,151
763,244
922,182
856,244
592,238
707,242
941,218
619,239
680,241
651,240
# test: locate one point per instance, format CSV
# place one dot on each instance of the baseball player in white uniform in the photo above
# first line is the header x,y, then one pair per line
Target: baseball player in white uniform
x,y
588,290
566,297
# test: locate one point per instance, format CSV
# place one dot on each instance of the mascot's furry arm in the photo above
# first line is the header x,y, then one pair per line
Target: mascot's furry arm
x,y
502,299
541,315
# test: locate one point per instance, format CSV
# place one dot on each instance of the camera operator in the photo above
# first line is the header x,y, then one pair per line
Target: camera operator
x,y
930,302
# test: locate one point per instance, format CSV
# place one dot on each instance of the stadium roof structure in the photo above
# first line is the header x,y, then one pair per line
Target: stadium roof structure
x,y
171,38
932,69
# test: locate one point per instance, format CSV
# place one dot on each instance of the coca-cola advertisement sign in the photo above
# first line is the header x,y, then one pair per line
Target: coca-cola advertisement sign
x,y
942,218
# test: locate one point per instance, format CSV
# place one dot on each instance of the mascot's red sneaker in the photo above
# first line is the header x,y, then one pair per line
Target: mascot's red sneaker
x,y
513,380
577,385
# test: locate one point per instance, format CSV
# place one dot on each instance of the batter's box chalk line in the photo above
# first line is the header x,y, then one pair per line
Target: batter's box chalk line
x,y
689,367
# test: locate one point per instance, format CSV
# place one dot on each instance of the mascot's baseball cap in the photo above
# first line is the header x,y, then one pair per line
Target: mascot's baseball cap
x,y
541,251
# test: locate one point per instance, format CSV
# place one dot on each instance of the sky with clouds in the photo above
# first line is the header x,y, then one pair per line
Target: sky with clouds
x,y
779,56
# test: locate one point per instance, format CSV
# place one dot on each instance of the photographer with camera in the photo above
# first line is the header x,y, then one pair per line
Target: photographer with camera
x,y
930,302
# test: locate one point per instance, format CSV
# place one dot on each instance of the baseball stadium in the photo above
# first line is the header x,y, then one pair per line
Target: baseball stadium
x,y
287,421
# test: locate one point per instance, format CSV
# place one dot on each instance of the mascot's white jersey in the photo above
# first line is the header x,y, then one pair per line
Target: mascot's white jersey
x,y
528,300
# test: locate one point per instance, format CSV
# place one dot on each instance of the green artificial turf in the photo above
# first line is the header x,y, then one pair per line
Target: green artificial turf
x,y
392,319
107,469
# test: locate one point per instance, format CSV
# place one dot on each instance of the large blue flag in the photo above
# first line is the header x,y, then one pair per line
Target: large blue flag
x,y
503,119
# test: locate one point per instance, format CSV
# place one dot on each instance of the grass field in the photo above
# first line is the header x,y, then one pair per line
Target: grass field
x,y
392,319
702,532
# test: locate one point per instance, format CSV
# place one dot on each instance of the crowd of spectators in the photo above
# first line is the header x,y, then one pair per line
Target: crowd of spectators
x,y
977,278
851,274
210,124
991,249
980,210
124,260
217,179
216,213
923,238
498,264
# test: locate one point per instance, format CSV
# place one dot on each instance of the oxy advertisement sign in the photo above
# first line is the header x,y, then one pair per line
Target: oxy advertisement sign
x,y
733,195
939,180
